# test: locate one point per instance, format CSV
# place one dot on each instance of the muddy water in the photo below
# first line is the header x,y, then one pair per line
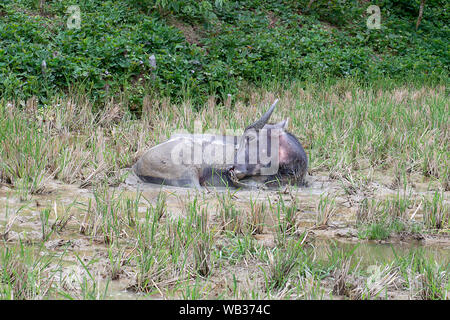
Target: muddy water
x,y
366,254
63,199
372,253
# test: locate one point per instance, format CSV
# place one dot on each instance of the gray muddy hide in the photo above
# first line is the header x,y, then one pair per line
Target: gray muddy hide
x,y
189,161
265,155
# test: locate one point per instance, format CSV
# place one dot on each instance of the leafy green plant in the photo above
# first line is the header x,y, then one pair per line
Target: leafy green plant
x,y
236,43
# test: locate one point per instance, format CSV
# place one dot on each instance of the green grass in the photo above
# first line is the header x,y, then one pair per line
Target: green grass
x,y
282,262
436,212
425,278
23,153
24,274
212,48
286,218
230,216
345,128
378,220
375,231
215,245
190,256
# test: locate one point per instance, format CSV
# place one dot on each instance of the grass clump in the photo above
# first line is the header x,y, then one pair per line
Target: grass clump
x,y
424,277
230,216
287,218
24,275
23,152
326,208
436,213
152,257
378,220
256,217
282,262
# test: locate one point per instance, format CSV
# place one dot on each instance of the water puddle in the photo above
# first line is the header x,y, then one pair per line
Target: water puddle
x,y
372,253
23,220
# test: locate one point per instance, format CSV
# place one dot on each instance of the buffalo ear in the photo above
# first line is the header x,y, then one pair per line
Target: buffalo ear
x,y
280,125
283,124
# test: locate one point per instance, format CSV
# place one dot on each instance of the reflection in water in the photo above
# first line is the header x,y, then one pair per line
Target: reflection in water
x,y
379,253
369,253
73,200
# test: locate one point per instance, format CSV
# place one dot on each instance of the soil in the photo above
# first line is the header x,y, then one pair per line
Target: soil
x,y
23,216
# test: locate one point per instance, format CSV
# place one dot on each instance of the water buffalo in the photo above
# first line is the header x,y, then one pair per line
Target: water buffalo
x,y
265,153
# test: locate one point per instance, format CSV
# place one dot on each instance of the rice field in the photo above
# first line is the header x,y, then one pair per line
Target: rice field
x,y
74,224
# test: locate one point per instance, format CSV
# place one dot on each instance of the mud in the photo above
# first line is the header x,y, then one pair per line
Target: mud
x,y
20,220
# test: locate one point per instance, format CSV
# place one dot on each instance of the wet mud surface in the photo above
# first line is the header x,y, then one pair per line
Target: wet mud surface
x,y
20,221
